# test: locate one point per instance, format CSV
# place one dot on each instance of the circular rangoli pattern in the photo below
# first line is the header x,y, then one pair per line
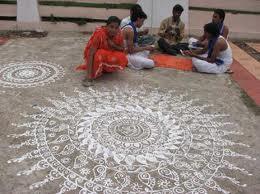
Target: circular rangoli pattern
x,y
29,74
129,140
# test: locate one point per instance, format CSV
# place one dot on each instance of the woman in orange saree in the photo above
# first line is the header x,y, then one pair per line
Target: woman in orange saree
x,y
104,51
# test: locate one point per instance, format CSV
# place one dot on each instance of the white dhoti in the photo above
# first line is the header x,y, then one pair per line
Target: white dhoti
x,y
206,67
140,61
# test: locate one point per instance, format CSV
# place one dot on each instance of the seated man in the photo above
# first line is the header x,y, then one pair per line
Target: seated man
x,y
137,55
217,18
143,37
104,51
171,31
216,57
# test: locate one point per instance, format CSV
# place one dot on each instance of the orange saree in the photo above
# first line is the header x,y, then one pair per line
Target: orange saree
x,y
105,59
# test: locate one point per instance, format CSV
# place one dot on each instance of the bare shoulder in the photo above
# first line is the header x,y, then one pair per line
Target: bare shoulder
x,y
127,29
226,28
221,43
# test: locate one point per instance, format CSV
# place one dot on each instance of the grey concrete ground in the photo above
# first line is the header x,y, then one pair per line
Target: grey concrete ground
x,y
66,50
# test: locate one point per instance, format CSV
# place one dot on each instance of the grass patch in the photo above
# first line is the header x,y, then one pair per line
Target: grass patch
x,y
8,2
8,18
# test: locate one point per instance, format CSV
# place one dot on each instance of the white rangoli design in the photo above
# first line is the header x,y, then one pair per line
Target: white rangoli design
x,y
129,140
29,74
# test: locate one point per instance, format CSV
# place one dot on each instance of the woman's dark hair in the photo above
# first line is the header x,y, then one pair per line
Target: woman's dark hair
x,y
113,19
212,29
135,8
221,13
139,14
178,8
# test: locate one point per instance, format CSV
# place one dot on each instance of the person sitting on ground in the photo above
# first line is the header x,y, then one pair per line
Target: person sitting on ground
x,y
143,35
216,58
104,51
172,31
137,55
217,18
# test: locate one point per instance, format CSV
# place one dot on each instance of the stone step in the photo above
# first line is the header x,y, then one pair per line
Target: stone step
x,y
243,5
82,12
98,1
49,26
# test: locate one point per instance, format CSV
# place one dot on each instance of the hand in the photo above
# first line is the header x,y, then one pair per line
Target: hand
x,y
178,31
146,31
188,53
168,30
150,48
110,43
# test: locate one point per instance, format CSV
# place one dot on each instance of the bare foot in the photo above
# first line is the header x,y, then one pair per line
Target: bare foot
x,y
87,83
194,69
229,71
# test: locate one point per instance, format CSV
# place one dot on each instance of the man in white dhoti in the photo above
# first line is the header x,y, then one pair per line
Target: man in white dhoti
x,y
216,58
137,55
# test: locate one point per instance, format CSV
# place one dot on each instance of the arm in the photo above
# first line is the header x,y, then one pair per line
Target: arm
x,y
92,52
115,46
217,48
202,38
129,37
196,53
180,33
144,32
225,32
162,30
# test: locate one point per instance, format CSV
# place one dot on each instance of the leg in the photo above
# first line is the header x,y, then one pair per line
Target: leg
x,y
87,83
206,67
166,47
115,61
138,61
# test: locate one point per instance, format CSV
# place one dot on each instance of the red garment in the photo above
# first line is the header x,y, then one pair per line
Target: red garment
x,y
168,61
105,59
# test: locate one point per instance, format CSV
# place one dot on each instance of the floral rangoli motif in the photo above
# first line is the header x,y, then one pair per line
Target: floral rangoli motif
x,y
129,140
29,74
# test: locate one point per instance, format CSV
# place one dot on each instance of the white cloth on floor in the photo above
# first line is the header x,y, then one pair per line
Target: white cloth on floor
x,y
192,40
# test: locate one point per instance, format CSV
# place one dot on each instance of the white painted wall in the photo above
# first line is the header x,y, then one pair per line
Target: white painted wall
x,y
27,11
157,10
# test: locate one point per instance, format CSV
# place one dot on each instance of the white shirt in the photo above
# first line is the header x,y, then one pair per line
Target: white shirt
x,y
126,21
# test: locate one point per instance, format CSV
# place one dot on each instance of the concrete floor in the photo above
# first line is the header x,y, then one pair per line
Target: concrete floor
x,y
66,49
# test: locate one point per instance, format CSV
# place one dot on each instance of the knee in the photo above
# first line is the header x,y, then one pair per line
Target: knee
x,y
161,42
194,60
197,63
149,64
